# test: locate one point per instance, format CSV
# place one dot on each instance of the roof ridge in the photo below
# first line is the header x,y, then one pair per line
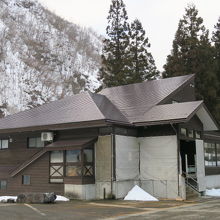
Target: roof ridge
x,y
104,97
147,81
91,94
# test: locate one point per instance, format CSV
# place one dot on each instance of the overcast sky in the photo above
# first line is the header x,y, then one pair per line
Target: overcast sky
x,y
159,17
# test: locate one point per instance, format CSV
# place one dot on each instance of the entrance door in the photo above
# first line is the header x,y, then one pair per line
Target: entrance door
x,y
188,156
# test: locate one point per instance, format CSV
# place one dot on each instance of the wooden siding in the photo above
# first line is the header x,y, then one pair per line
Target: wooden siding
x,y
18,152
157,130
186,94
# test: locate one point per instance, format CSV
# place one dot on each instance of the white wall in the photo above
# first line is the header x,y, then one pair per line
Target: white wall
x,y
212,181
127,158
158,166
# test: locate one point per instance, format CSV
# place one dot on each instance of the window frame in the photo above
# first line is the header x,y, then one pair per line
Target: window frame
x,y
6,185
4,139
23,182
84,166
216,162
28,142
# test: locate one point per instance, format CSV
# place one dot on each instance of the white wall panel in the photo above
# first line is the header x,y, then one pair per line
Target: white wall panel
x,y
127,158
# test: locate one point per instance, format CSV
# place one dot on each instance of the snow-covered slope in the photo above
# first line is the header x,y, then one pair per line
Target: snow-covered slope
x,y
43,57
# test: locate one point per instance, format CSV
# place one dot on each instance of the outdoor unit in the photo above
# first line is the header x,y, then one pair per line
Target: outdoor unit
x,y
46,136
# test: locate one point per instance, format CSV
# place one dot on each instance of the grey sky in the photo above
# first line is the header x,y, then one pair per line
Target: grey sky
x,y
159,17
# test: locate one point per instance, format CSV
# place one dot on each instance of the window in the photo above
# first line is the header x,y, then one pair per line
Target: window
x,y
3,184
210,155
198,134
183,131
26,179
218,154
190,133
73,171
73,156
56,166
56,156
35,142
3,144
71,163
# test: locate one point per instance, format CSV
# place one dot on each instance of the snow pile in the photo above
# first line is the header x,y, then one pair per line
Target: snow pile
x,y
62,198
58,199
212,192
5,198
138,194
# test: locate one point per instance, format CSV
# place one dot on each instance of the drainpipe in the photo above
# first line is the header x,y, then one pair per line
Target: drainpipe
x,y
112,161
178,159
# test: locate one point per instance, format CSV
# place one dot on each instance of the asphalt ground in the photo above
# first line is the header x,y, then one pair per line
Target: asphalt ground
x,y
204,208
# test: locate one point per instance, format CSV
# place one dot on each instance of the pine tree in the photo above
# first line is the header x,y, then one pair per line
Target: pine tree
x,y
115,50
192,53
141,65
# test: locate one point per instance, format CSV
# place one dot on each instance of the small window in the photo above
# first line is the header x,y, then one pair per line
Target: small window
x,y
73,156
3,184
56,156
56,180
88,155
35,142
73,171
4,144
198,134
218,154
210,156
190,133
26,179
183,131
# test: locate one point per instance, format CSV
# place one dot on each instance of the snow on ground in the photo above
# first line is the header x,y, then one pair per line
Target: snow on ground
x,y
138,194
5,198
212,192
62,198
59,198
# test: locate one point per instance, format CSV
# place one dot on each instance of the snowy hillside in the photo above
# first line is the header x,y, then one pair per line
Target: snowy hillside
x,y
43,57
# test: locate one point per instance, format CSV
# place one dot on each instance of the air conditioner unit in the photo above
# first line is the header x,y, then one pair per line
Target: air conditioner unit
x,y
46,136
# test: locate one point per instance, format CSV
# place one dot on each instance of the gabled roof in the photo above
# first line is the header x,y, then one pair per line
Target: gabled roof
x,y
136,99
169,113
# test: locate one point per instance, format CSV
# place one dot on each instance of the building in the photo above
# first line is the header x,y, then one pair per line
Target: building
x,y
94,146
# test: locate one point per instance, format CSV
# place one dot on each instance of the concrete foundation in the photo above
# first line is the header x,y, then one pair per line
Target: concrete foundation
x,y
84,192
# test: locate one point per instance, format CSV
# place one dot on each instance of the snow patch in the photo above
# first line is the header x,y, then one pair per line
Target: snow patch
x,y
62,198
58,199
138,194
5,198
212,192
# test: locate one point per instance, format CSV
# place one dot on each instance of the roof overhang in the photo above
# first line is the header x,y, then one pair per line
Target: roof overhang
x,y
209,123
199,109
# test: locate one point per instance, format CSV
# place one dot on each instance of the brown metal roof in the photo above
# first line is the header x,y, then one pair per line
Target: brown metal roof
x,y
82,107
136,99
169,112
122,104
72,143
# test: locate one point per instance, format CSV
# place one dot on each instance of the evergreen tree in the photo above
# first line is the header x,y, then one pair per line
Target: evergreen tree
x,y
216,41
115,50
141,65
192,53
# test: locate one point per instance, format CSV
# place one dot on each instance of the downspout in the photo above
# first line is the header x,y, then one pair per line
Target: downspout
x,y
178,159
112,161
